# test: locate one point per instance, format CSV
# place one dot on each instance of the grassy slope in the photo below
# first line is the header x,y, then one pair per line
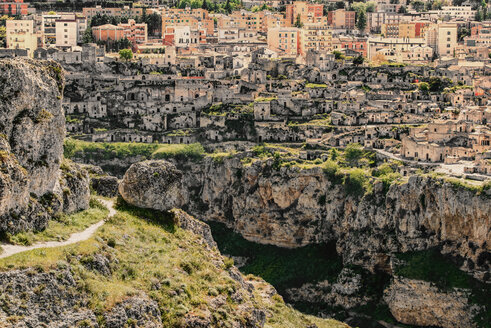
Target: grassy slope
x,y
63,227
150,251
106,151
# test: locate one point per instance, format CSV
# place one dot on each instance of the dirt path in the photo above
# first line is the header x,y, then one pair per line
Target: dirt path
x,y
9,250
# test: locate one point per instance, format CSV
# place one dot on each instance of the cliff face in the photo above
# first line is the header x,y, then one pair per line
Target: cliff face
x,y
32,129
418,303
290,207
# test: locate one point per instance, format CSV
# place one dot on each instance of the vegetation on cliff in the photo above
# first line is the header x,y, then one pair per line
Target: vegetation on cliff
x,y
74,148
142,252
62,226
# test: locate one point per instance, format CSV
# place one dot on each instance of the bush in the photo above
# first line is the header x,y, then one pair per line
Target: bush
x,y
331,169
355,182
353,153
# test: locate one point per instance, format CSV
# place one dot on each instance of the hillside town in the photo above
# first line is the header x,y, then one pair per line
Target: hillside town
x,y
410,80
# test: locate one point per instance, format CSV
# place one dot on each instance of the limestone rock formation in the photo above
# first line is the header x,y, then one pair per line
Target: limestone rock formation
x,y
416,302
73,187
32,129
292,207
36,298
139,311
187,222
346,292
152,184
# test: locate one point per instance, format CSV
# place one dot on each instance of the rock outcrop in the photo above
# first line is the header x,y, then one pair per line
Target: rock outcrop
x,y
416,302
32,129
152,184
33,299
292,207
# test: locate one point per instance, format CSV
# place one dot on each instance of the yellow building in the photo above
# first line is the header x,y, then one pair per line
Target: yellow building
x,y
315,37
284,40
20,35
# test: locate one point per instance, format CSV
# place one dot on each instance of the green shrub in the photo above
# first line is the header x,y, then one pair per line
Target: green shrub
x,y
353,153
331,170
356,182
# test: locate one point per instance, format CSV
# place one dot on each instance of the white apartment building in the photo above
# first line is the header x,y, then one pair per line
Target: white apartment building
x,y
391,46
20,35
66,33
443,38
69,28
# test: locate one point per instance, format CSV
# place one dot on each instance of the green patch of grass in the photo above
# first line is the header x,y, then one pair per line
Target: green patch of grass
x,y
64,226
107,151
191,151
316,85
282,267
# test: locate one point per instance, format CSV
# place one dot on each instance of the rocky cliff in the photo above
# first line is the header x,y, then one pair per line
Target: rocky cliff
x,y
32,129
292,207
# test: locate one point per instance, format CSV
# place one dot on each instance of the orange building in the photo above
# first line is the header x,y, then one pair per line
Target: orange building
x,y
196,19
13,7
350,43
286,40
341,19
108,32
303,10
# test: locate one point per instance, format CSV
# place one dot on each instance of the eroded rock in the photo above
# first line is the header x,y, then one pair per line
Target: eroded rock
x,y
416,302
152,184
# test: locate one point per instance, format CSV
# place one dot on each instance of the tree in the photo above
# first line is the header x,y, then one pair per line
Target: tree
x,y
423,86
126,54
228,8
361,24
479,15
298,22
371,7
340,5
204,5
87,37
353,153
418,5
338,54
358,60
402,10
3,36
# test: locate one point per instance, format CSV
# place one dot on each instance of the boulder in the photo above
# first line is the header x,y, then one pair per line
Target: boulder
x,y
416,302
152,184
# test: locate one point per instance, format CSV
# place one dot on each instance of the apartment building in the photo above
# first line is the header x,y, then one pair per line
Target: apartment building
x,y
284,40
66,33
136,33
443,38
63,30
197,19
20,35
341,19
391,45
13,7
315,37
457,12
117,12
405,30
375,20
303,9
350,43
